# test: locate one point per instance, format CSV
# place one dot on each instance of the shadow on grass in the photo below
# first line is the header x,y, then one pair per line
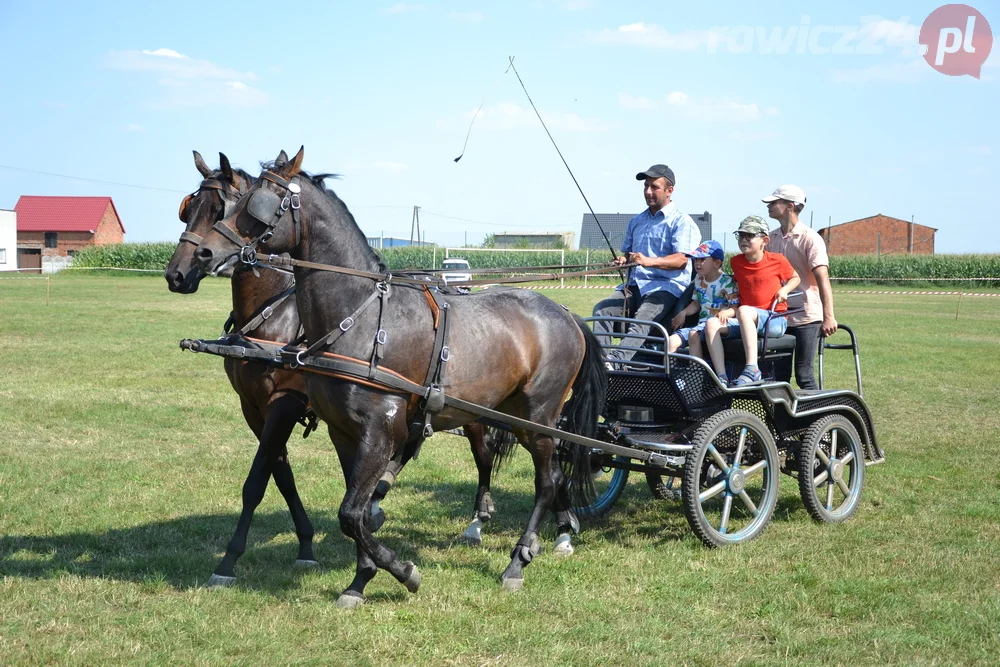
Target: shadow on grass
x,y
181,552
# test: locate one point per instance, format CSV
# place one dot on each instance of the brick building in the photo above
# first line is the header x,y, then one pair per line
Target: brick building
x,y
879,235
58,227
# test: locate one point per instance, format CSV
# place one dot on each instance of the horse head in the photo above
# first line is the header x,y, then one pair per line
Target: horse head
x,y
215,197
266,219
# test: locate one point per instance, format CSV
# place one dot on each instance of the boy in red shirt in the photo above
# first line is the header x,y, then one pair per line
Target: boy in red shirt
x,y
763,278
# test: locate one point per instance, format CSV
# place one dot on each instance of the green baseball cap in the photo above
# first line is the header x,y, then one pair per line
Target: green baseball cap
x,y
753,224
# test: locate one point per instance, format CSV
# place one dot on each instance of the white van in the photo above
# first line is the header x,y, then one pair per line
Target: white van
x,y
456,269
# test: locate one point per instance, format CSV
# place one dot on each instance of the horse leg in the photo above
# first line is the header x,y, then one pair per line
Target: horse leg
x,y
483,510
291,409
567,523
528,546
371,461
276,428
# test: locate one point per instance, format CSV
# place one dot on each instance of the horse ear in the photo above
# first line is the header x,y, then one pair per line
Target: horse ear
x,y
200,165
227,169
295,166
281,160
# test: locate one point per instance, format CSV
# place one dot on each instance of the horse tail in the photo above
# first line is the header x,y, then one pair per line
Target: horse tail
x,y
581,414
503,444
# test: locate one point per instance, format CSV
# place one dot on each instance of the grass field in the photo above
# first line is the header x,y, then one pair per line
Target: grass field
x,y
121,461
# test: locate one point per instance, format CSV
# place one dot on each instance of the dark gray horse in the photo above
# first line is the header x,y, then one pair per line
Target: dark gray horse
x,y
274,400
513,350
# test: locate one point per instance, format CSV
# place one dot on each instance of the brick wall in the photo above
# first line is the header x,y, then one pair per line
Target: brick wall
x,y
878,234
108,231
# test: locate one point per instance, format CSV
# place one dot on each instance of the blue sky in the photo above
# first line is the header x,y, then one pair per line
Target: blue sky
x,y
383,94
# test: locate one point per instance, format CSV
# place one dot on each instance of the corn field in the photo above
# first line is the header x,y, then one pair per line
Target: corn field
x,y
983,270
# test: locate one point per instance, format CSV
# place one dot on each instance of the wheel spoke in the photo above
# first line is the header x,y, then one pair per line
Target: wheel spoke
x,y
760,465
712,492
829,496
820,478
727,506
833,443
749,503
739,447
847,458
821,455
717,459
844,488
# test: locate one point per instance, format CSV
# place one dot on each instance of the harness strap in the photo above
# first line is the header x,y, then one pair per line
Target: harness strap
x,y
344,327
191,237
266,311
378,351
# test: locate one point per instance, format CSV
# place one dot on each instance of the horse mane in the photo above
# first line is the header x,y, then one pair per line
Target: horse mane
x,y
319,181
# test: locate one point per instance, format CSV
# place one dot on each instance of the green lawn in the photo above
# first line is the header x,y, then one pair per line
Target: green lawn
x,y
122,458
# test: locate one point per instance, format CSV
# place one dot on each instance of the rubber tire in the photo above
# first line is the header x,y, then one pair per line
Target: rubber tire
x,y
695,466
662,490
807,461
606,500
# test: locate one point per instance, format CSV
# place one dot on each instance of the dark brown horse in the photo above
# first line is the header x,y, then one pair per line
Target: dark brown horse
x,y
273,401
513,350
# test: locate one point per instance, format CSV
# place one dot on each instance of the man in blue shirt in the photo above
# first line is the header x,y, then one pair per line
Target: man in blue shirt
x,y
659,240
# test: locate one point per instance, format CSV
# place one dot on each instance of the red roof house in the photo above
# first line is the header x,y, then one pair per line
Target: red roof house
x,y
50,226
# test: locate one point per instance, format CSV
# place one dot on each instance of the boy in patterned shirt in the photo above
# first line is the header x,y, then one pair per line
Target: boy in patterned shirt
x,y
713,291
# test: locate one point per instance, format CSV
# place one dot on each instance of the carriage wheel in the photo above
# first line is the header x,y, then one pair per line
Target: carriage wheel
x,y
730,483
610,484
831,469
663,490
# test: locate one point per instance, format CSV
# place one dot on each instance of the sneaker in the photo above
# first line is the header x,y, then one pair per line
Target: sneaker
x,y
724,379
747,377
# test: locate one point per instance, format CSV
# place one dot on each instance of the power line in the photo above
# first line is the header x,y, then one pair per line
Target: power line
x,y
93,180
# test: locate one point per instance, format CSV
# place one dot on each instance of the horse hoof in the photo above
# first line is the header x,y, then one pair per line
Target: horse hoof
x,y
349,601
220,581
412,582
563,547
470,540
306,564
512,585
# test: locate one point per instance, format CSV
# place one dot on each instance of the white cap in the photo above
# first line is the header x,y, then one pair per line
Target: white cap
x,y
792,193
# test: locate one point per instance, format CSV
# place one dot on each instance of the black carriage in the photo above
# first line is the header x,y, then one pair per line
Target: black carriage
x,y
726,446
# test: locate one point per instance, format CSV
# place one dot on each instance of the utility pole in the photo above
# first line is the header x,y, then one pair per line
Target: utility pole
x,y
415,224
811,219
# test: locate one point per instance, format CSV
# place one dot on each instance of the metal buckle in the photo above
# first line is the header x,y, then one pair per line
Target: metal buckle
x,y
445,354
382,286
266,236
346,324
380,337
298,358
296,201
267,312
285,203
248,255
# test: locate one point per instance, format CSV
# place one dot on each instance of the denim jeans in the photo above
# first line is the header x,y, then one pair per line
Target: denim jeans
x,y
654,307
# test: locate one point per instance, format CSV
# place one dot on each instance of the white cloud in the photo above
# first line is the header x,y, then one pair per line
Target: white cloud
x,y
707,109
132,127
653,36
468,17
189,82
402,8
166,53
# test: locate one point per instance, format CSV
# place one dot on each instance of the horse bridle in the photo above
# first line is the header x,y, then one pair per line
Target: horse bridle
x,y
267,208
224,188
